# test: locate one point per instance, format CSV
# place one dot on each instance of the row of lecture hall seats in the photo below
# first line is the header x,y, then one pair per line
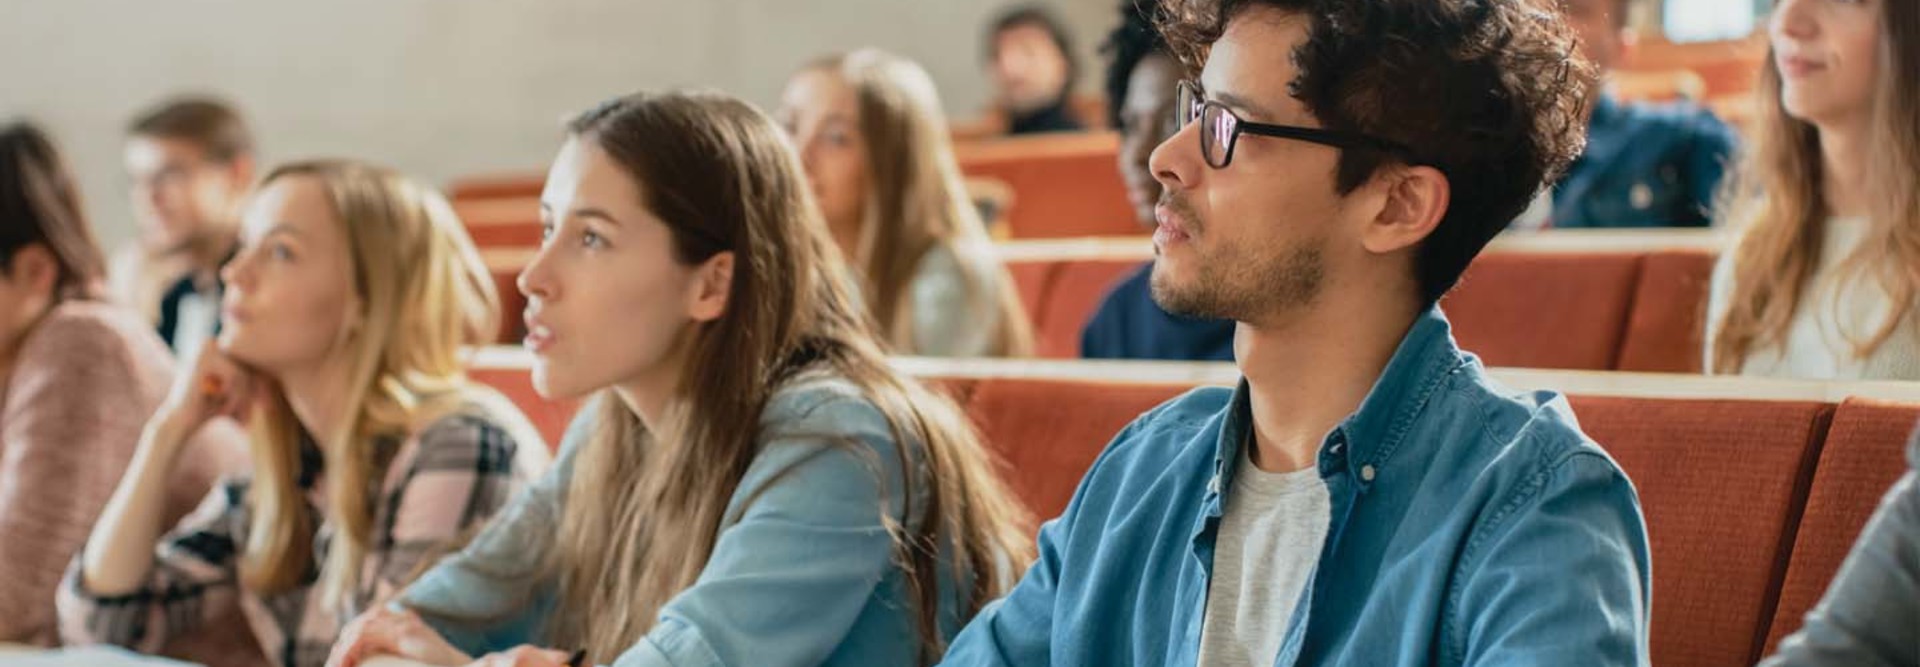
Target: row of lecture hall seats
x,y
1584,300
1753,489
1050,186
1066,185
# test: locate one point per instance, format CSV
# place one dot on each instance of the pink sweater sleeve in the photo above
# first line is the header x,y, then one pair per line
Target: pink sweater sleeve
x,y
74,408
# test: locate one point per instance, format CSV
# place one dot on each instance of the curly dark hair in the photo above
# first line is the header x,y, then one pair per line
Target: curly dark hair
x,y
1129,43
1493,93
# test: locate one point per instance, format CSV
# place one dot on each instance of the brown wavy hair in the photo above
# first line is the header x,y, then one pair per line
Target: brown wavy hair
x,y
723,178
1777,200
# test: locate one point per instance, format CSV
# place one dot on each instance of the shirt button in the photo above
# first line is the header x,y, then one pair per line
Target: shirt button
x,y
1366,473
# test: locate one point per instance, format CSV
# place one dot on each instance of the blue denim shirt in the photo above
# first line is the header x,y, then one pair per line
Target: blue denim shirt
x,y
1645,166
1468,527
802,571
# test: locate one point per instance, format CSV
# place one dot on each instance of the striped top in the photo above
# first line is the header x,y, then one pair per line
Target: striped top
x,y
450,477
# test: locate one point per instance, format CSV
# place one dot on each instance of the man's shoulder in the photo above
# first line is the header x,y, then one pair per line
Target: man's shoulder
x,y
1133,290
1532,429
1186,426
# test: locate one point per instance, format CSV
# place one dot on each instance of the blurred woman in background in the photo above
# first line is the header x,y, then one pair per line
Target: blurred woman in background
x,y
80,377
1824,281
874,143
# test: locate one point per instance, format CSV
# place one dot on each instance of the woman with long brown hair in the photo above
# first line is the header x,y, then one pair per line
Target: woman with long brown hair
x,y
756,484
1824,280
345,315
79,376
874,142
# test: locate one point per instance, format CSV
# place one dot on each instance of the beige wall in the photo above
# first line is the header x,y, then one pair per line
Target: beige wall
x,y
441,88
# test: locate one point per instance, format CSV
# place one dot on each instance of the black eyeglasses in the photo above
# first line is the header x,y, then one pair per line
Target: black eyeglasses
x,y
1220,129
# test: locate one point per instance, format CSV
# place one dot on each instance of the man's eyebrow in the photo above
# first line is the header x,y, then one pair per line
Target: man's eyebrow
x,y
1241,104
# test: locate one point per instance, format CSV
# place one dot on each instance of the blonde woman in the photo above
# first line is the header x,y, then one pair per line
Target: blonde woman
x,y
757,485
1824,281
343,320
874,143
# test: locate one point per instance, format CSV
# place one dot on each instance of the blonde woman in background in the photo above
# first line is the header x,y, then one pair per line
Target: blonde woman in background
x,y
873,140
1824,281
344,316
757,486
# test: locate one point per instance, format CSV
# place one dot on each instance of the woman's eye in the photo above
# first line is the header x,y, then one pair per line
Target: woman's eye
x,y
592,239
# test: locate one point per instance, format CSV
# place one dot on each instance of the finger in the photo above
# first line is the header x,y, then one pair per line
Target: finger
x,y
530,656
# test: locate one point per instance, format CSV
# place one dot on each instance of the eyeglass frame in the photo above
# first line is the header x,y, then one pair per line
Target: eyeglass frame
x,y
1196,105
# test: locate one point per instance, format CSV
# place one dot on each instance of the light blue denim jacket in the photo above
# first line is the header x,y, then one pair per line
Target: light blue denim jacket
x,y
1468,527
802,572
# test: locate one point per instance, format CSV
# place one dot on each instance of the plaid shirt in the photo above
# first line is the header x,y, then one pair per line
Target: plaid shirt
x,y
451,477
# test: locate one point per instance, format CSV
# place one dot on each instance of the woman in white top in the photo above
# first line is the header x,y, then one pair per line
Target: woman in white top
x,y
1823,281
874,143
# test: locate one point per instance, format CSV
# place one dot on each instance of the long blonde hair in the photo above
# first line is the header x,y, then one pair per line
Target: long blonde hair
x,y
650,503
424,294
917,201
1778,198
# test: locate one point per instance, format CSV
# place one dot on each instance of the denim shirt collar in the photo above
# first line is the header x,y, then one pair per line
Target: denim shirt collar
x,y
1363,443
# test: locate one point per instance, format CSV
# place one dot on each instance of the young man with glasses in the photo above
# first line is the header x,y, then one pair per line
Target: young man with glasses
x,y
1367,495
191,163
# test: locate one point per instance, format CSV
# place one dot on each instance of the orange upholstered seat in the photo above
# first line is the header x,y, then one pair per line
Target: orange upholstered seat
x,y
1862,457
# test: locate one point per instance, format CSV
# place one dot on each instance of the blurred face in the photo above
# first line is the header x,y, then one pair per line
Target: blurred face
x,y
1146,119
1259,238
821,113
1828,55
608,304
1603,37
1028,68
290,301
179,194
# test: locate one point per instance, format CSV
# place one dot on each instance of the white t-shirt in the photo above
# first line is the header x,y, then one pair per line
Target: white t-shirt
x,y
1271,532
198,315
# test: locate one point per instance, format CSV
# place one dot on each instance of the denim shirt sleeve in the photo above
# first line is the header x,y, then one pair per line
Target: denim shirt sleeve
x,y
1017,629
1871,610
1547,579
789,577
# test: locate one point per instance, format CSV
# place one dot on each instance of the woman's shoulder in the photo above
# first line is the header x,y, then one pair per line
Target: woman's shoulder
x,y
97,340
481,434
819,397
92,328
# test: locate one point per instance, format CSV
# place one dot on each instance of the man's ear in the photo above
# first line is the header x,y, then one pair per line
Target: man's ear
x,y
712,283
1416,200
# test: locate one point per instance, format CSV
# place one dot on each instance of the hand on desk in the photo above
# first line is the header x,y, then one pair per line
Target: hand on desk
x,y
527,656
385,631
